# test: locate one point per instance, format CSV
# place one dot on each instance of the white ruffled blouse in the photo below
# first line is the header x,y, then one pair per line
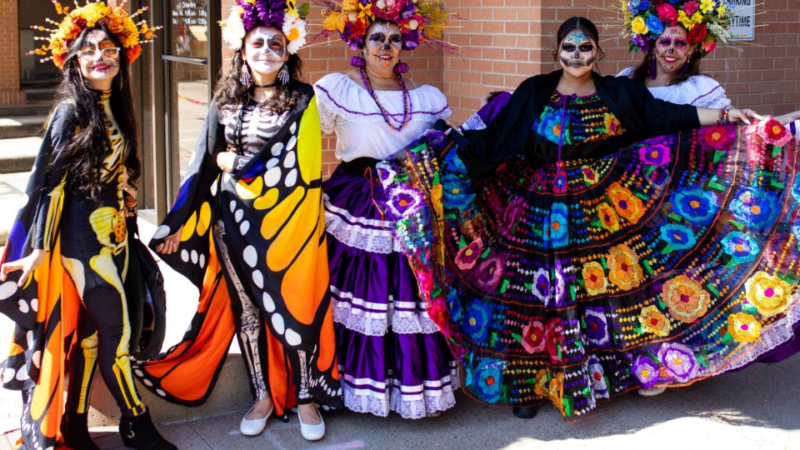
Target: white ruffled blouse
x,y
348,109
700,90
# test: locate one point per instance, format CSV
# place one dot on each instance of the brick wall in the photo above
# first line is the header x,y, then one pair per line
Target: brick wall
x,y
10,93
508,40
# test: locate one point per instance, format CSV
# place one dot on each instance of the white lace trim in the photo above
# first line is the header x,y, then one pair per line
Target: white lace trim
x,y
415,406
474,122
342,225
700,90
370,323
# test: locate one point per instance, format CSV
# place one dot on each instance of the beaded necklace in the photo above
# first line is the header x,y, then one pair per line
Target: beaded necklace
x,y
407,105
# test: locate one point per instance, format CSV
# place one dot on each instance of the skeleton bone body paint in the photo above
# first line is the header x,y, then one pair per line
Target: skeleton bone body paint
x,y
265,50
384,43
672,49
577,51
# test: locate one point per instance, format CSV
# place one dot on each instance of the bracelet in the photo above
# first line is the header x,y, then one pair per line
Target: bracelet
x,y
722,116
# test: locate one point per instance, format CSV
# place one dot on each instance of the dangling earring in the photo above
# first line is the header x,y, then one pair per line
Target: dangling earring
x,y
685,67
358,61
653,67
400,68
283,75
244,76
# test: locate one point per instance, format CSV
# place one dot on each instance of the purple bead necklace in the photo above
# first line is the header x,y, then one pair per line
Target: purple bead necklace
x,y
407,104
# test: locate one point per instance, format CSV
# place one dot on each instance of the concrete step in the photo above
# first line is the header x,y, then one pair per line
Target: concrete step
x,y
40,94
21,126
31,109
18,154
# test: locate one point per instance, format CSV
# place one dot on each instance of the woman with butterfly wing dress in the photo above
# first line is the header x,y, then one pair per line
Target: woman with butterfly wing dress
x,y
247,228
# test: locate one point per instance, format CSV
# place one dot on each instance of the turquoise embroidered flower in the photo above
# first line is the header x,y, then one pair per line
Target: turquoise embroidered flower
x,y
695,205
678,237
756,208
740,246
456,192
487,380
476,320
556,227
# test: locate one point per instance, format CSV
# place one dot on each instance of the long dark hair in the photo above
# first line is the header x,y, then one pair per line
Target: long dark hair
x,y
85,152
231,92
580,24
644,70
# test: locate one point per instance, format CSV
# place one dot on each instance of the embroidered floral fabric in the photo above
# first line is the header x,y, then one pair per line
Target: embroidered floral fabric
x,y
586,119
668,262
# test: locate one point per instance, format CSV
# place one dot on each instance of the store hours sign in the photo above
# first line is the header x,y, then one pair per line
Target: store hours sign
x,y
743,24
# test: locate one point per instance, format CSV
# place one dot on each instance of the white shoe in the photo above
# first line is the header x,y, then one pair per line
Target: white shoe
x,y
652,392
311,432
254,427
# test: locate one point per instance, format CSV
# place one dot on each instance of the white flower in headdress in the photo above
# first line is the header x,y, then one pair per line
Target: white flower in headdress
x,y
295,30
233,30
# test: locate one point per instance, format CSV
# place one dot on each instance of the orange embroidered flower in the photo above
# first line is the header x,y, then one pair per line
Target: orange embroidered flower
x,y
627,205
551,387
623,267
594,278
769,294
612,124
608,217
653,321
686,299
744,327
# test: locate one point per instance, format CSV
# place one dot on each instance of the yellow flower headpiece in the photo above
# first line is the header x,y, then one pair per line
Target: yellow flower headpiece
x,y
118,22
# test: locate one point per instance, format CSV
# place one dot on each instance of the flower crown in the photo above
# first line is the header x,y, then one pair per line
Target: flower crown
x,y
419,20
281,14
706,21
131,34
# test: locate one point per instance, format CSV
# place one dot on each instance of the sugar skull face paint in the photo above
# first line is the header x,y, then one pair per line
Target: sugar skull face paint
x,y
265,50
577,53
384,43
672,49
98,58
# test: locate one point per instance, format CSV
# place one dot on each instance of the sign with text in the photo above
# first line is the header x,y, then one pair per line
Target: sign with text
x,y
743,24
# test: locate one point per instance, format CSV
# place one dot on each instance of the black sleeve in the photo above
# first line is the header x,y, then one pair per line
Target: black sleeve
x,y
59,132
476,148
210,143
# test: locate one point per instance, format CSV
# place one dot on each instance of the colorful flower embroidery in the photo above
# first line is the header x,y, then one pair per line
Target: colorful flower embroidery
x,y
612,125
541,286
597,327
740,246
653,321
655,155
554,341
756,208
744,327
679,361
404,201
589,175
623,267
456,192
488,380
686,299
533,337
695,205
717,137
625,203
597,377
646,371
550,386
476,322
773,132
608,217
560,182
489,273
557,226
678,237
454,306
549,126
594,278
769,294
468,256
512,214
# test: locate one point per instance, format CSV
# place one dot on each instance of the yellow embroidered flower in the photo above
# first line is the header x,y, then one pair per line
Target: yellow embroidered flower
x,y
769,294
608,217
653,321
594,278
639,26
625,203
686,299
707,6
612,124
623,267
551,387
744,327
685,20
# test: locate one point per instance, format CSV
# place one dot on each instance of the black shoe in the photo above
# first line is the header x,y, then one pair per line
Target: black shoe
x,y
76,432
140,433
525,412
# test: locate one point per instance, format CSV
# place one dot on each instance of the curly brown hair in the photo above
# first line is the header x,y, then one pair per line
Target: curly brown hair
x,y
231,92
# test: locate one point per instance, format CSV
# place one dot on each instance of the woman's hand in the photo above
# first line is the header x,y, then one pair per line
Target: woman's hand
x,y
226,160
786,119
27,264
170,244
743,115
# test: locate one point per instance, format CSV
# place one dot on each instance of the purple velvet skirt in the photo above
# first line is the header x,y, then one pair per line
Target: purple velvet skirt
x,y
392,357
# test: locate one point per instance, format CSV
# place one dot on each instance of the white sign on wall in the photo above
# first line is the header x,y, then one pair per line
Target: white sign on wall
x,y
743,24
